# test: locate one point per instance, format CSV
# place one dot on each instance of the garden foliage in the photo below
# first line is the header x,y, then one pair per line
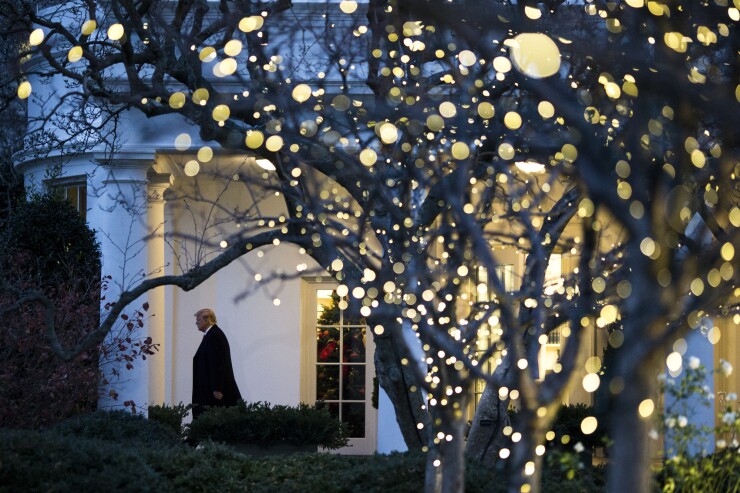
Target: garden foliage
x,y
122,452
170,416
568,424
118,451
117,426
47,248
700,458
263,424
718,472
567,429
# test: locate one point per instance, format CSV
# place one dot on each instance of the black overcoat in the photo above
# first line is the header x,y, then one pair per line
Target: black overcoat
x,y
212,371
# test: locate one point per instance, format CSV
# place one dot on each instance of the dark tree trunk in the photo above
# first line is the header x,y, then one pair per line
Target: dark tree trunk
x,y
633,380
445,466
486,432
433,474
525,465
629,463
453,464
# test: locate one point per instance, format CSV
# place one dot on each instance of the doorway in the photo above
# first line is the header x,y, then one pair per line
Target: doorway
x,y
337,363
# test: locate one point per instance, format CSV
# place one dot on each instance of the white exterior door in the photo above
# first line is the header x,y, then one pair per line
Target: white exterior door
x,y
337,363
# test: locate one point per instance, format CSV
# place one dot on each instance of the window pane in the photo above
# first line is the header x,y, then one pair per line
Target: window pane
x,y
83,201
354,416
482,296
333,409
353,384
505,274
480,385
327,345
327,311
73,197
488,335
327,382
553,274
341,359
354,345
76,195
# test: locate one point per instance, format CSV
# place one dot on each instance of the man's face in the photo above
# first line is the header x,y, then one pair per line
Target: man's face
x,y
201,321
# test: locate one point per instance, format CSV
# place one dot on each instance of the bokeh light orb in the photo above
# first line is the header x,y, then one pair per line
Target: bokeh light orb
x,y
535,55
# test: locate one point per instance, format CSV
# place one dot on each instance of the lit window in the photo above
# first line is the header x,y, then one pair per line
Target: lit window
x,y
553,274
76,195
488,335
341,362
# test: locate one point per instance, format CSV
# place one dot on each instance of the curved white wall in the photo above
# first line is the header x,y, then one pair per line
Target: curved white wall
x,y
264,338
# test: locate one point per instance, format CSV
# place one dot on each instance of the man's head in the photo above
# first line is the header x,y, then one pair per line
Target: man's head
x,y
204,318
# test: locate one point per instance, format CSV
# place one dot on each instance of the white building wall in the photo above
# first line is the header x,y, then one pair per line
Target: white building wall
x,y
264,338
262,319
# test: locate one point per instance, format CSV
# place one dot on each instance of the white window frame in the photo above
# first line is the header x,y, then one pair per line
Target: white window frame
x,y
356,446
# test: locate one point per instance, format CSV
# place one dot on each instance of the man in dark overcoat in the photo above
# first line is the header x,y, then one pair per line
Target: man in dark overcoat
x,y
213,376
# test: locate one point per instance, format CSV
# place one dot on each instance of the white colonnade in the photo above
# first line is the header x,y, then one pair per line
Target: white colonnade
x,y
127,212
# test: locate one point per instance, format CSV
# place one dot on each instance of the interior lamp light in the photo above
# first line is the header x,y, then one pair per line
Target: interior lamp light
x,y
530,166
265,164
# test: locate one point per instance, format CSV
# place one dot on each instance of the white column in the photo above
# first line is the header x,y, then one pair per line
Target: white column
x,y
158,312
168,351
118,213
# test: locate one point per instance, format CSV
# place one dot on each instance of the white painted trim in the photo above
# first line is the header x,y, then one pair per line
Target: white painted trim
x,y
359,446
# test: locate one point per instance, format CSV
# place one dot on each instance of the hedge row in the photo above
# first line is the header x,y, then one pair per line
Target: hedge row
x,y
48,461
264,424
117,451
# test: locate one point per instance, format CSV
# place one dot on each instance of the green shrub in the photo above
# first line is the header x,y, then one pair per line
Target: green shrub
x,y
52,462
117,426
568,422
49,462
47,247
170,416
60,244
570,472
690,468
263,424
328,473
715,472
392,473
212,467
